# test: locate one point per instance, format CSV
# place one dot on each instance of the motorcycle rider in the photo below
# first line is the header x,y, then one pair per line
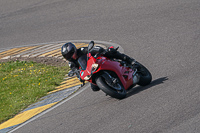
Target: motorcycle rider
x,y
71,53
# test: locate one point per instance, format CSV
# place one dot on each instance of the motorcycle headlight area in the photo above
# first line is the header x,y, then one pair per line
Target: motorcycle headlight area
x,y
87,77
94,67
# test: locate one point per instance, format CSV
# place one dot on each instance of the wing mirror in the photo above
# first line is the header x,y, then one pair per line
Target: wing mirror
x,y
91,45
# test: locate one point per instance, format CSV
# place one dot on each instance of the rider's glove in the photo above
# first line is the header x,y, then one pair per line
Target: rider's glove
x,y
71,73
71,65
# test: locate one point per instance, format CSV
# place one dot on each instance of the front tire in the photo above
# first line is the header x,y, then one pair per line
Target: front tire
x,y
111,90
94,87
145,75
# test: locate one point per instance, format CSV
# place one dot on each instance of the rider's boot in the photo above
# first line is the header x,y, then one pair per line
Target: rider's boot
x,y
129,60
132,62
114,53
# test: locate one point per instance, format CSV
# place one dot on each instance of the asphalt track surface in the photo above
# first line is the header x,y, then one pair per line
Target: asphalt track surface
x,y
164,35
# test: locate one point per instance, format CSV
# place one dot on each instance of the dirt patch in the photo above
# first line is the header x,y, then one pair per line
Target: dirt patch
x,y
44,60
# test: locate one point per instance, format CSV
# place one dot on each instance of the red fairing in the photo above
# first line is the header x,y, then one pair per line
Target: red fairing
x,y
87,72
124,73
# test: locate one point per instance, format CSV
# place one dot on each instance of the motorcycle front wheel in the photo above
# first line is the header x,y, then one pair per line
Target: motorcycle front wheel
x,y
94,87
113,90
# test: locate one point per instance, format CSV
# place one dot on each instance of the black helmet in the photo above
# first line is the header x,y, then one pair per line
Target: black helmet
x,y
69,51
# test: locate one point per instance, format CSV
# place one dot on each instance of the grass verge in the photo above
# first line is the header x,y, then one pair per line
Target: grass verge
x,y
23,83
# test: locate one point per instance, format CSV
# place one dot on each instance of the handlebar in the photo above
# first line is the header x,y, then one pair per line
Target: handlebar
x,y
117,48
103,52
77,72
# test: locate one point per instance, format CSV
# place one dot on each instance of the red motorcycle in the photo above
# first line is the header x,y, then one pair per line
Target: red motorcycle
x,y
114,77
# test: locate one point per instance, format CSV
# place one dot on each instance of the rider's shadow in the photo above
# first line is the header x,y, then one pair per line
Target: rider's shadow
x,y
138,89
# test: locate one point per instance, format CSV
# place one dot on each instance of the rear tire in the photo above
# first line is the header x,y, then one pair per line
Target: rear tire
x,y
145,75
109,90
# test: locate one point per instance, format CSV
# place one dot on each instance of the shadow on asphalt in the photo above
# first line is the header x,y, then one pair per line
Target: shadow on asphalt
x,y
138,89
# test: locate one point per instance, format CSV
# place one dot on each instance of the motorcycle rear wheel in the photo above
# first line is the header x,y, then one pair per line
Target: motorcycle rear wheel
x,y
111,90
145,75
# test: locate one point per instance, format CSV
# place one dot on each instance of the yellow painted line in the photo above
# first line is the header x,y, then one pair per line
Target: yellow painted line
x,y
68,84
24,116
49,53
65,87
79,44
15,51
70,80
9,51
82,46
27,48
56,53
45,48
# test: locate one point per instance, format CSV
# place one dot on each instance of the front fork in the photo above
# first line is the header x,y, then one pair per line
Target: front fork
x,y
83,83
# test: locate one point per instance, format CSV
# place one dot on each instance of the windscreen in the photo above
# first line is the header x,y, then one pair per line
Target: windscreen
x,y
82,61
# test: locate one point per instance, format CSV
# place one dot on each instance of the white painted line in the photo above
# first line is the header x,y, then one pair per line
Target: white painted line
x,y
46,49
